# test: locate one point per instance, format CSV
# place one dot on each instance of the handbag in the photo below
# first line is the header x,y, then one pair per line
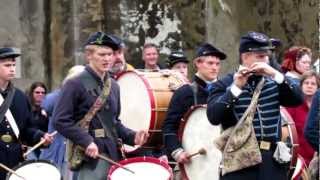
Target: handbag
x,y
239,145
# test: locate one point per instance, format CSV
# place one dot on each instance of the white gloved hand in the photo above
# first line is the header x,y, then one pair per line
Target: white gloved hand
x,y
282,153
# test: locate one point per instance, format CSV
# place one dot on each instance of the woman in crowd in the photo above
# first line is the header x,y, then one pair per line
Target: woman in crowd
x,y
309,85
297,60
39,118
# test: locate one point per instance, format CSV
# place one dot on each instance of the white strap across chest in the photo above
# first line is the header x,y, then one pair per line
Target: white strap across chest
x,y
10,119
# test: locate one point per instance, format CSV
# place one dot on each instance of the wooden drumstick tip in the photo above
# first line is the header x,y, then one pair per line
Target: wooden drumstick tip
x,y
201,151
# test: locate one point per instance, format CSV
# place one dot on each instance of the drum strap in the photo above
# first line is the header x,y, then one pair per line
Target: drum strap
x,y
92,87
5,111
75,152
194,88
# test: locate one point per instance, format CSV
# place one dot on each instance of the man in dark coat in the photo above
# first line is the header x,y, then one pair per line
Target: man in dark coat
x,y
79,94
15,114
232,94
208,65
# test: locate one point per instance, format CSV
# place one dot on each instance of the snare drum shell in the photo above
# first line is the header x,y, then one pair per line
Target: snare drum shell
x,y
196,132
138,160
290,131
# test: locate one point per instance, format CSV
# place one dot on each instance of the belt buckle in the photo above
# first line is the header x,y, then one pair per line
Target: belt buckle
x,y
6,138
99,133
265,145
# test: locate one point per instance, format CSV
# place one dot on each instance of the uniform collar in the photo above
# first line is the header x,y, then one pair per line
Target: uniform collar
x,y
95,75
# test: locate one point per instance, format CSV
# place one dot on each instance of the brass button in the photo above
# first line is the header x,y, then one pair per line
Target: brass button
x,y
6,138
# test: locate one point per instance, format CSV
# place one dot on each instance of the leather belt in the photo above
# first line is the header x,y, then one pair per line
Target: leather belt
x,y
7,138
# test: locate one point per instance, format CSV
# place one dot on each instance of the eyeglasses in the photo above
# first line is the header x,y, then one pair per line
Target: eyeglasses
x,y
40,92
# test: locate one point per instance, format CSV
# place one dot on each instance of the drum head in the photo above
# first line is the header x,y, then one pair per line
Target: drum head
x,y
35,170
199,133
145,168
135,101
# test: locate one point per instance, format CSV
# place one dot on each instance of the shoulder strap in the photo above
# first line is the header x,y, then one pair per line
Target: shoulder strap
x,y
194,88
90,84
7,102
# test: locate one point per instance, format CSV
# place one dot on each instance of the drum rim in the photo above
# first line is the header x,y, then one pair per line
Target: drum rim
x,y
294,133
185,118
150,93
29,162
138,159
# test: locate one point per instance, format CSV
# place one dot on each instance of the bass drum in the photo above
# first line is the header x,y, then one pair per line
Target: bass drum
x,y
35,170
196,132
145,97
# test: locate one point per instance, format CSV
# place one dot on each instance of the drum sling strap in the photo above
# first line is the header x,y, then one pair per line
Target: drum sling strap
x,y
239,145
194,88
5,111
75,152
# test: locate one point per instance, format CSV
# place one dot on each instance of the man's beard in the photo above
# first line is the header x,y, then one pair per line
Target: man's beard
x,y
117,67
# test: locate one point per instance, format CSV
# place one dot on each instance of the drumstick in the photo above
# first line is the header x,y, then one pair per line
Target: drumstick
x,y
38,144
201,151
154,131
11,171
114,163
172,162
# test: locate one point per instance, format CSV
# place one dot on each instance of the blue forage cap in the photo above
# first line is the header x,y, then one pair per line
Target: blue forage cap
x,y
8,52
119,41
103,39
275,42
255,42
207,49
176,57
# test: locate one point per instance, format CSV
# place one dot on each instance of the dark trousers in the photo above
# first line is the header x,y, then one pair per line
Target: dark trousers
x,y
269,169
9,157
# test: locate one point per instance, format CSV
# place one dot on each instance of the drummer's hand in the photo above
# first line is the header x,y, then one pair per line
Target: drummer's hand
x,y
183,158
92,150
141,137
164,158
47,138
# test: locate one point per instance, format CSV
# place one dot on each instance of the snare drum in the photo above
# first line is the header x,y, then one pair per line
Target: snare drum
x,y
196,132
144,168
289,135
35,170
144,101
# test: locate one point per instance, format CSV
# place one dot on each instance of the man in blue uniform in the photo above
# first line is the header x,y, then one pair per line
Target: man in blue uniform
x,y
232,94
207,63
15,114
79,94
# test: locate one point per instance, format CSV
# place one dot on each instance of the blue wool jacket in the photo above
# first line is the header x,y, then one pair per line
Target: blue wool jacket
x,y
225,108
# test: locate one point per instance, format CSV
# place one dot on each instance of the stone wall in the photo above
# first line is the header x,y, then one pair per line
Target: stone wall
x,y
51,33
